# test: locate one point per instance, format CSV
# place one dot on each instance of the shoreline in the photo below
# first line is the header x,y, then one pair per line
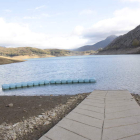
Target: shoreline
x,y
33,115
36,115
8,60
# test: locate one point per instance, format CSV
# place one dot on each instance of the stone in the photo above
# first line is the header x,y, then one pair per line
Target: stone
x,y
10,105
46,123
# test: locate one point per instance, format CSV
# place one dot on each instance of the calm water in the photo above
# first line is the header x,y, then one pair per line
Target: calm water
x,y
112,72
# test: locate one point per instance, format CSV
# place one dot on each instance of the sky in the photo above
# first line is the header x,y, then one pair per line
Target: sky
x,y
64,24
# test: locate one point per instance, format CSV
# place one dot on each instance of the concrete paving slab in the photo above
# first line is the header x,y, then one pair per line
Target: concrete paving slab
x,y
116,133
58,133
120,108
120,104
94,101
91,108
103,115
135,137
119,100
93,104
85,120
44,138
127,113
86,131
121,122
89,113
95,98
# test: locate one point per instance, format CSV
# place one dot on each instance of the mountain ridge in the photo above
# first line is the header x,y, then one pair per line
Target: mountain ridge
x,y
128,43
30,52
98,45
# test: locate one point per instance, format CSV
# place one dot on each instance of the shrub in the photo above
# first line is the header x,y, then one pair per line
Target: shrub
x,y
135,42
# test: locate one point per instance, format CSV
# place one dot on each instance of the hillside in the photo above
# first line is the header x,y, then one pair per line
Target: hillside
x,y
98,45
126,44
8,61
29,52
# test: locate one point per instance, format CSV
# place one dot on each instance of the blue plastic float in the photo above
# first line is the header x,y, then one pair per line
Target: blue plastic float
x,y
74,81
64,81
45,82
24,84
69,81
58,82
52,82
41,82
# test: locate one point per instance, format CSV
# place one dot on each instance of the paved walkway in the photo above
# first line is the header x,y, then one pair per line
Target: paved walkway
x,y
103,115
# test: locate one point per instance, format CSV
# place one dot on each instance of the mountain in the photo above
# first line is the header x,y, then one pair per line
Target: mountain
x,y
29,52
98,45
126,44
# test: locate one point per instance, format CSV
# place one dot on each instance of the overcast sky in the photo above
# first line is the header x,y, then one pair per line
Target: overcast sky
x,y
64,24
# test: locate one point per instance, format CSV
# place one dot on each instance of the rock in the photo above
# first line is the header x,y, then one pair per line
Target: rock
x,y
49,119
53,114
40,116
46,123
10,105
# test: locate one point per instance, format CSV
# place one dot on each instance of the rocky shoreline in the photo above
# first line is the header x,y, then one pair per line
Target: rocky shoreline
x,y
31,124
33,127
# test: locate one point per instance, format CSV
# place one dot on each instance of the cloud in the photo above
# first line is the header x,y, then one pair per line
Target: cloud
x,y
45,15
7,10
20,35
131,0
123,20
31,17
37,17
87,12
40,7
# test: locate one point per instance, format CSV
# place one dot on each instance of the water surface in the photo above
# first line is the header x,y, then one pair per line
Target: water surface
x,y
112,72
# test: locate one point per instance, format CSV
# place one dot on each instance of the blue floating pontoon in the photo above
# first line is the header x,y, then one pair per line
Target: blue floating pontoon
x,y
52,82
45,82
12,86
5,86
41,82
58,82
24,84
74,81
64,82
69,81
86,81
30,84
35,83
80,81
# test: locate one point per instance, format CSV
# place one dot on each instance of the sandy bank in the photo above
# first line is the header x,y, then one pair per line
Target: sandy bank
x,y
30,57
8,60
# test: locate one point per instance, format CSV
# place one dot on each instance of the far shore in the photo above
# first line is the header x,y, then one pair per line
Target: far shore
x,y
22,58
8,60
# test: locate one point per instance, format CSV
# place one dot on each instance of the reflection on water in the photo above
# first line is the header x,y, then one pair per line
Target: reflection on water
x,y
112,72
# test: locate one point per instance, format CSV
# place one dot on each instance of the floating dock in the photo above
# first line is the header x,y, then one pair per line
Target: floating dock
x,y
45,82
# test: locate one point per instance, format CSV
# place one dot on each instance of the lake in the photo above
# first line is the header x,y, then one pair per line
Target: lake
x,y
112,72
